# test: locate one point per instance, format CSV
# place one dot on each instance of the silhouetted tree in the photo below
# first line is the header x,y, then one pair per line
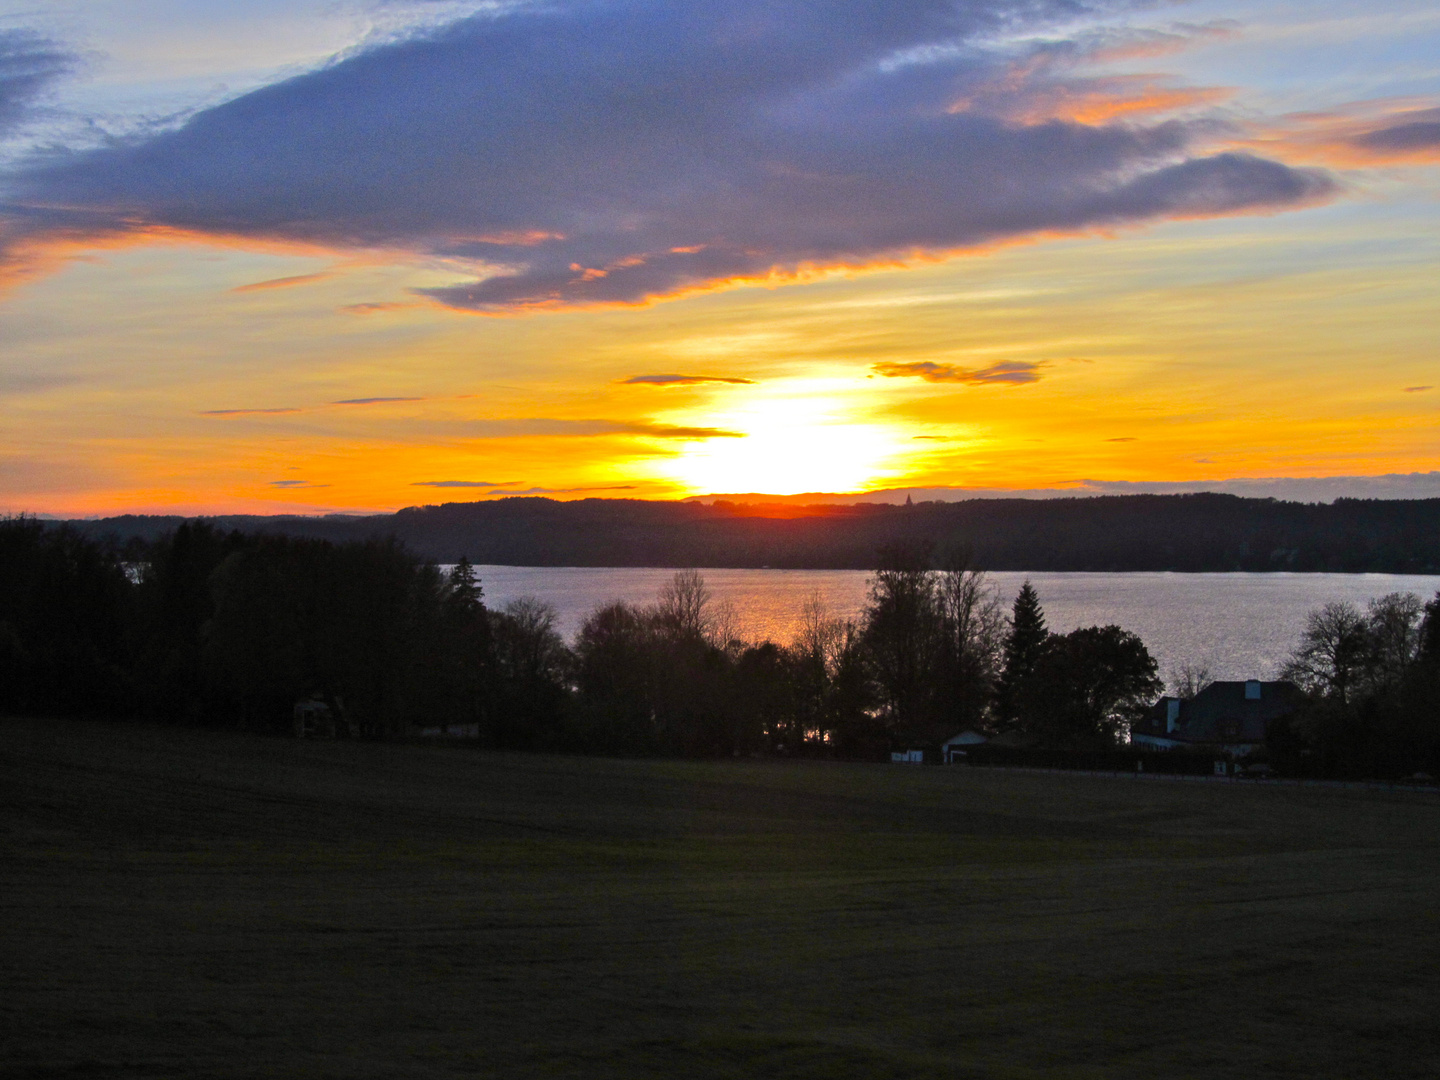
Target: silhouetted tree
x,y
1023,646
616,667
1187,679
1372,683
532,668
1087,687
66,603
902,637
972,638
764,713
462,658
1333,653
175,606
294,618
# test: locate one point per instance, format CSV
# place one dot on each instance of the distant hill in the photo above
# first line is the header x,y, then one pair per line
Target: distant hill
x,y
1204,532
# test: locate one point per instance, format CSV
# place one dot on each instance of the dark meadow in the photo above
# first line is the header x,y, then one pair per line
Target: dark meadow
x,y
658,849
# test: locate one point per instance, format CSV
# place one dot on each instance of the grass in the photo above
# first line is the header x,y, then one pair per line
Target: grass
x,y
177,903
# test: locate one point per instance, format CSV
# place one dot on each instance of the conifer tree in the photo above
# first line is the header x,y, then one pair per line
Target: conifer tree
x,y
466,595
1023,647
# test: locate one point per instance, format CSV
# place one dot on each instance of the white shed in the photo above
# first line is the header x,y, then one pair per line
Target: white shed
x,y
954,749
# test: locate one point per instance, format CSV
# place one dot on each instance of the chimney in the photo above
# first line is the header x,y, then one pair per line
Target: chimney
x,y
1252,690
1172,714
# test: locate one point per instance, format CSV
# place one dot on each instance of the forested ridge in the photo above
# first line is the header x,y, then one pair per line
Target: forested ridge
x,y
1204,532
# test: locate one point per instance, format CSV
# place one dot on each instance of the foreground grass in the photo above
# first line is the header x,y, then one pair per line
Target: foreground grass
x,y
180,904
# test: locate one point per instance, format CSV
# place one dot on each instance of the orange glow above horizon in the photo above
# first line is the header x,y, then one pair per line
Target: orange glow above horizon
x,y
172,391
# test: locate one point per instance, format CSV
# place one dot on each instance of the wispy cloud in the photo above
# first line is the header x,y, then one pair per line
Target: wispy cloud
x,y
29,65
514,427
582,154
374,400
466,483
494,488
1364,133
376,307
249,412
283,282
683,380
312,408
1014,372
572,490
1051,80
296,484
1417,389
554,427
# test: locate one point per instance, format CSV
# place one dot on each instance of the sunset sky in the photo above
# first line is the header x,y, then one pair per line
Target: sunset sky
x,y
311,255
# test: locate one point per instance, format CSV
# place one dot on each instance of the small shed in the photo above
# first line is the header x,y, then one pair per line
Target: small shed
x,y
954,749
314,719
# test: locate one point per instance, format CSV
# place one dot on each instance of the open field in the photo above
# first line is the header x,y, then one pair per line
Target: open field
x,y
177,903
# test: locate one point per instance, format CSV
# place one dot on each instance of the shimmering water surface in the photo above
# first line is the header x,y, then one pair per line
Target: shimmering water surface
x,y
1239,625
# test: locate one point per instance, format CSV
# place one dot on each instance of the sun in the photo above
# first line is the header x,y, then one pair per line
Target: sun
x,y
794,440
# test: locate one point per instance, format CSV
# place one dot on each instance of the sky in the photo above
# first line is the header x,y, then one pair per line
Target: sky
x,y
352,255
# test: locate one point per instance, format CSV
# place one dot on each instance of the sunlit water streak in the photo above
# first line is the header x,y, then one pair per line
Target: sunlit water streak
x,y
1239,625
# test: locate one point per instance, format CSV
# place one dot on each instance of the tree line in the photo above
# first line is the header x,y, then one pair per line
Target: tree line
x,y
1199,532
228,629
1372,683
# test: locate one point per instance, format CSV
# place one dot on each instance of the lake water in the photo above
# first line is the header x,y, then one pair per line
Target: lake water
x,y
1239,625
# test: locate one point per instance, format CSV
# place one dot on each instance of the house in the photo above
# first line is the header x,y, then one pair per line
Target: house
x,y
313,719
953,749
1232,718
451,731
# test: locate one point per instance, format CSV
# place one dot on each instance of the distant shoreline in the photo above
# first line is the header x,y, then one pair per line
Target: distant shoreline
x,y
1201,533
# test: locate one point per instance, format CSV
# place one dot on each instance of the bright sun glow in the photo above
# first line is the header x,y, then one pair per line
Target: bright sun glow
x,y
798,440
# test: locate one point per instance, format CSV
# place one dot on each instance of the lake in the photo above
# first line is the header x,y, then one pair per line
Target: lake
x,y
1238,625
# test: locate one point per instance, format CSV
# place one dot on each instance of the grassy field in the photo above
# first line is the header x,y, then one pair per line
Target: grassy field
x,y
176,903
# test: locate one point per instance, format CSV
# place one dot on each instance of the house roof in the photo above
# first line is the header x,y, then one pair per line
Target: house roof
x,y
1223,713
967,737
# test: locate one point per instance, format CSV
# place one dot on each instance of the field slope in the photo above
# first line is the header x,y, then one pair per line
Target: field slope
x,y
178,903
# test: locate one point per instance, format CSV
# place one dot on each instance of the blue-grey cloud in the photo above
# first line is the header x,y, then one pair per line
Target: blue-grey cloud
x,y
374,400
683,380
524,491
29,64
465,483
1014,372
250,412
586,152
1417,132
571,490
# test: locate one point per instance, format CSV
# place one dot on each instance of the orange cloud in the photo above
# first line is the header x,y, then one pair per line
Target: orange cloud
x,y
1365,133
283,282
1102,100
1149,44
28,252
